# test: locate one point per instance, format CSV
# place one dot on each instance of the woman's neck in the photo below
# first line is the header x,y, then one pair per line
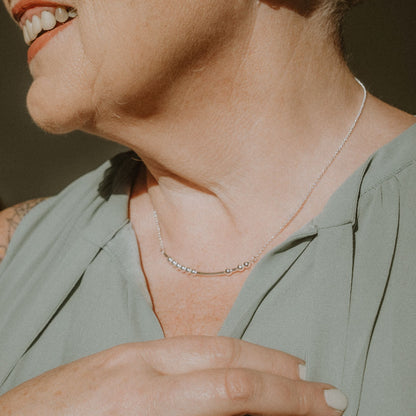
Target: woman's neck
x,y
251,102
237,143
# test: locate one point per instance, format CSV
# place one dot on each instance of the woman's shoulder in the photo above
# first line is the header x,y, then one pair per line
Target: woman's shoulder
x,y
10,218
394,159
67,213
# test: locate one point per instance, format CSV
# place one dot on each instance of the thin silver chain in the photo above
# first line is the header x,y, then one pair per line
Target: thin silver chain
x,y
250,262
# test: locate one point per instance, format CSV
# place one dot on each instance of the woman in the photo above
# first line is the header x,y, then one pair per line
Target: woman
x,y
270,204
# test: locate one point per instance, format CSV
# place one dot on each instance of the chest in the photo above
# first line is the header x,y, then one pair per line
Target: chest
x,y
188,306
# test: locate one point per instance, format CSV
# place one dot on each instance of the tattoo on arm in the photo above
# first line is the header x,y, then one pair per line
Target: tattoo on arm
x,y
12,218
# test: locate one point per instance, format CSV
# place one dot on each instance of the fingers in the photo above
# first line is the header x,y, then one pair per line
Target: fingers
x,y
225,377
186,354
227,392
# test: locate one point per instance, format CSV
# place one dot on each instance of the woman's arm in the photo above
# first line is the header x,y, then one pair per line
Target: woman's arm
x,y
9,220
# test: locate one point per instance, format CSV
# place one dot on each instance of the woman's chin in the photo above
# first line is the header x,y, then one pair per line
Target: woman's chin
x,y
50,124
55,111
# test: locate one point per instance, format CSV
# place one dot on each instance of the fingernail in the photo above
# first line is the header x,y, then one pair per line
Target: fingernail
x,y
336,399
302,371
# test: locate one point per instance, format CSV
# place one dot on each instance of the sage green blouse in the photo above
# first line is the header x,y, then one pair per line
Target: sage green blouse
x,y
340,293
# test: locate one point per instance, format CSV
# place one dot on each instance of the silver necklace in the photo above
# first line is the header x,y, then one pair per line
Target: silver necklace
x,y
250,262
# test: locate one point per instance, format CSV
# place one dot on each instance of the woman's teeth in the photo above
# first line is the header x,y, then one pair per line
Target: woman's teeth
x,y
46,21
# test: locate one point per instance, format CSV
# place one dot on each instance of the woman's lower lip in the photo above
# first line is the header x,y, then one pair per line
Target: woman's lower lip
x,y
40,42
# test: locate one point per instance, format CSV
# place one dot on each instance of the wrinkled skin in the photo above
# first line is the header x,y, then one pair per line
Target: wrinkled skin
x,y
84,75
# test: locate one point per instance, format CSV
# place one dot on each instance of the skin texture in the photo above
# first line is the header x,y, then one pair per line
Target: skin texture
x,y
234,107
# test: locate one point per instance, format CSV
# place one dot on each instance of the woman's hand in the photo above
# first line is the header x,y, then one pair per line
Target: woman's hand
x,y
186,376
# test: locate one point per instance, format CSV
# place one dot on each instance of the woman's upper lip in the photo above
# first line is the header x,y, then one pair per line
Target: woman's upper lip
x,y
22,6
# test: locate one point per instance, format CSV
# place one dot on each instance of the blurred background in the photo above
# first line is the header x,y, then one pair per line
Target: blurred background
x,y
380,37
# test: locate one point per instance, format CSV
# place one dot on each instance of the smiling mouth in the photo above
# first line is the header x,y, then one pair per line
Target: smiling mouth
x,y
40,21
37,21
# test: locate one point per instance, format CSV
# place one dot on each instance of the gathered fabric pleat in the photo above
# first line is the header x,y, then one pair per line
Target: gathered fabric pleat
x,y
350,291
